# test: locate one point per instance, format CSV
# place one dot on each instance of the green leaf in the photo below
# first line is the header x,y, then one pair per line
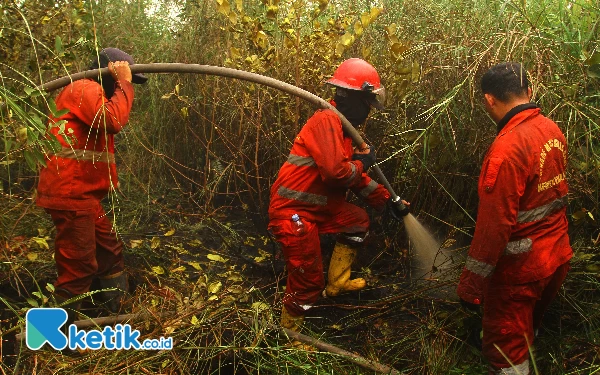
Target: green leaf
x,y
593,268
22,134
61,126
347,39
55,112
214,287
58,45
50,287
365,19
224,7
579,215
41,158
9,143
260,307
233,18
36,121
358,29
32,302
594,71
216,258
390,30
39,295
41,242
594,59
30,159
375,12
593,64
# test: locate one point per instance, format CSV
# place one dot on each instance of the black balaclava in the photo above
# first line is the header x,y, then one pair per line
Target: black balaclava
x,y
352,104
113,54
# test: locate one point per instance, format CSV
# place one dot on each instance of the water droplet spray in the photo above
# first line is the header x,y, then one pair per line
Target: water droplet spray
x,y
425,246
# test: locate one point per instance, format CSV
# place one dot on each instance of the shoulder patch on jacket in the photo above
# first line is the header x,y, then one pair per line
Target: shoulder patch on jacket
x,y
491,174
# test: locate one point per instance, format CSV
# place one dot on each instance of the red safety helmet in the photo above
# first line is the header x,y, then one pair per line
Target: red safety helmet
x,y
358,75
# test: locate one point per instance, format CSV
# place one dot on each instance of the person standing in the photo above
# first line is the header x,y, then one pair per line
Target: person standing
x,y
79,174
309,196
520,253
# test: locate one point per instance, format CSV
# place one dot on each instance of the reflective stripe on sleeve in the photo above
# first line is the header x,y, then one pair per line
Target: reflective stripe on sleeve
x,y
302,196
72,153
369,189
301,161
519,247
352,176
480,268
541,212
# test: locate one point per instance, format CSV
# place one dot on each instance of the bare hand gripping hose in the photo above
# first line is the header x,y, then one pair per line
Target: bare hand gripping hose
x,y
238,74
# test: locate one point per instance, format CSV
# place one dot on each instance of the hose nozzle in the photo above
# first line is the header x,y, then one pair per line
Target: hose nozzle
x,y
399,209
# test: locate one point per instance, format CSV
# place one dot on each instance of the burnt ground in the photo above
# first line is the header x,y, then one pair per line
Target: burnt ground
x,y
395,319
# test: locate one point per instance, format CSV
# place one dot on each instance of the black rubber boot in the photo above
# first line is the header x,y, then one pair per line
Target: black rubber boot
x,y
113,299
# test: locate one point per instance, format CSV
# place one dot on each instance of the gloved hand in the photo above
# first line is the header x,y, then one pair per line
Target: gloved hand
x,y
368,159
398,209
470,306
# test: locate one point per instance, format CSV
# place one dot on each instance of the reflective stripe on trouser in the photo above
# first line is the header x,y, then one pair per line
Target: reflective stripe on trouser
x,y
85,246
305,280
516,369
512,313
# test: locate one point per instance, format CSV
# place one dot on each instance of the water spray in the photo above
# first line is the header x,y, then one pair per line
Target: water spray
x,y
426,247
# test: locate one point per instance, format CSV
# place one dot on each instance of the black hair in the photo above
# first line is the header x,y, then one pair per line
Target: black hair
x,y
505,81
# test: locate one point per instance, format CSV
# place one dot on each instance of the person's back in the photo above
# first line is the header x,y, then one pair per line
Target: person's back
x,y
82,172
520,252
538,241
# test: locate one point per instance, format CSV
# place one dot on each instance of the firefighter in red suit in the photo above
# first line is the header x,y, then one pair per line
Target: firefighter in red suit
x,y
81,173
313,183
520,252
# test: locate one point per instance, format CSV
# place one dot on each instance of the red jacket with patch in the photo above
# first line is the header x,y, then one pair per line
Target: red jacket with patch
x,y
319,171
521,231
80,174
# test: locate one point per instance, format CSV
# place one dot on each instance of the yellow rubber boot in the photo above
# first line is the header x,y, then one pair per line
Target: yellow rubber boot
x,y
339,272
294,323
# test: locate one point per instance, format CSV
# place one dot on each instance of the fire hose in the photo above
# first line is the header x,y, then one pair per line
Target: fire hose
x,y
245,76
